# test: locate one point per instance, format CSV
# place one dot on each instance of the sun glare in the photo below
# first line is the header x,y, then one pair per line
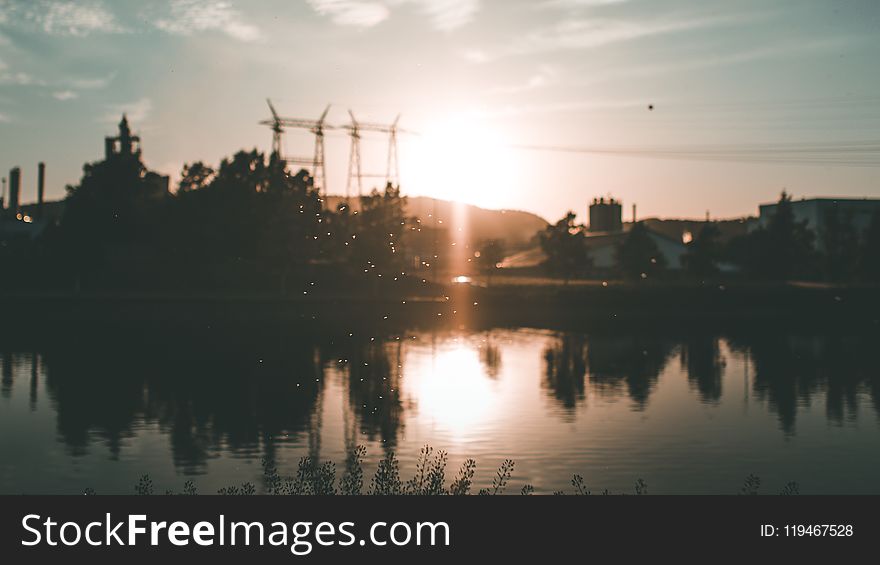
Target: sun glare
x,y
453,391
463,159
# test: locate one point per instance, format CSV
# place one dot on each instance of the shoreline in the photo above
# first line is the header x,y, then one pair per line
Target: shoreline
x,y
563,307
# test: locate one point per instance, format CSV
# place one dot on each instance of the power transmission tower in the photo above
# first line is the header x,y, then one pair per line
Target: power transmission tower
x,y
392,171
277,130
392,175
316,127
354,159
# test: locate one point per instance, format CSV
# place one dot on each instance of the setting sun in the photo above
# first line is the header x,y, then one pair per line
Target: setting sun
x,y
462,158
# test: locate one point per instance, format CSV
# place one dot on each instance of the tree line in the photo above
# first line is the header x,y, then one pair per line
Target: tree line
x,y
249,223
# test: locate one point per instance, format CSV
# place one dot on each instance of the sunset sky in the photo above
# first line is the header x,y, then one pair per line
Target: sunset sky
x,y
474,78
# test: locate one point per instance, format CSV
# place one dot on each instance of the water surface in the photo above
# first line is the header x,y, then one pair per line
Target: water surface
x,y
688,414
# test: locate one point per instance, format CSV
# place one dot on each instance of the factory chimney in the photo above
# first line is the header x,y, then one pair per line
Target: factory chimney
x,y
634,213
41,187
14,190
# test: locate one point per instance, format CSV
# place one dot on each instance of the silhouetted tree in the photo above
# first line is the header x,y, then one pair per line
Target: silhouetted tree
x,y
703,252
292,220
250,223
563,244
194,177
869,252
633,362
702,357
780,251
491,255
638,256
115,205
380,228
565,369
338,247
840,246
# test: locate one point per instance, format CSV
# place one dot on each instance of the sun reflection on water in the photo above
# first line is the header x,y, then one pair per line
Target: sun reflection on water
x,y
451,389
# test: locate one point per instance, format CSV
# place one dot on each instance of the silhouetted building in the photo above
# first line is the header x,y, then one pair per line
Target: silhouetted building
x,y
857,212
14,191
20,222
606,215
41,186
156,185
128,146
603,247
125,144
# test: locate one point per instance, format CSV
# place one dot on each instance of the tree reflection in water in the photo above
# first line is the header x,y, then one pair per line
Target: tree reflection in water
x,y
252,394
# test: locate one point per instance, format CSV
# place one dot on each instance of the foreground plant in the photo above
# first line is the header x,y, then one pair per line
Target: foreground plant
x,y
314,478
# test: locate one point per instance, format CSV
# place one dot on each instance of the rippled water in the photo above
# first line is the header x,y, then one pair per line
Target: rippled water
x,y
692,414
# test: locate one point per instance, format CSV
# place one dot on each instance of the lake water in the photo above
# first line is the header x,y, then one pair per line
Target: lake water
x,y
687,414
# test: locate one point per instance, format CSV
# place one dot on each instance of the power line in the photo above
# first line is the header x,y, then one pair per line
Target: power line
x,y
846,154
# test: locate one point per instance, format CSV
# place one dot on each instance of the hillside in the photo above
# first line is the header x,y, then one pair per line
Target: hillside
x,y
516,228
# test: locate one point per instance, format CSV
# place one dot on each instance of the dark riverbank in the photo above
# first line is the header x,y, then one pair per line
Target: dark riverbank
x,y
575,306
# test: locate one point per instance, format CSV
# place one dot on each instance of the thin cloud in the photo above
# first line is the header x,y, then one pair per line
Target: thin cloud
x,y
567,107
91,83
61,18
579,34
445,15
545,75
63,95
448,15
352,13
580,3
137,111
722,59
191,16
20,79
75,19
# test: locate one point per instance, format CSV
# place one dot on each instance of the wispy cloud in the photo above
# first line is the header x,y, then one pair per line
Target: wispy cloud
x,y
190,16
77,19
20,79
586,33
710,61
565,107
137,111
445,15
91,83
4,118
352,12
580,3
544,76
63,95
450,14
60,17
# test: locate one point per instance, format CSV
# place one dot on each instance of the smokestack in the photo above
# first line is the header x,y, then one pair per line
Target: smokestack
x,y
14,190
41,187
634,213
